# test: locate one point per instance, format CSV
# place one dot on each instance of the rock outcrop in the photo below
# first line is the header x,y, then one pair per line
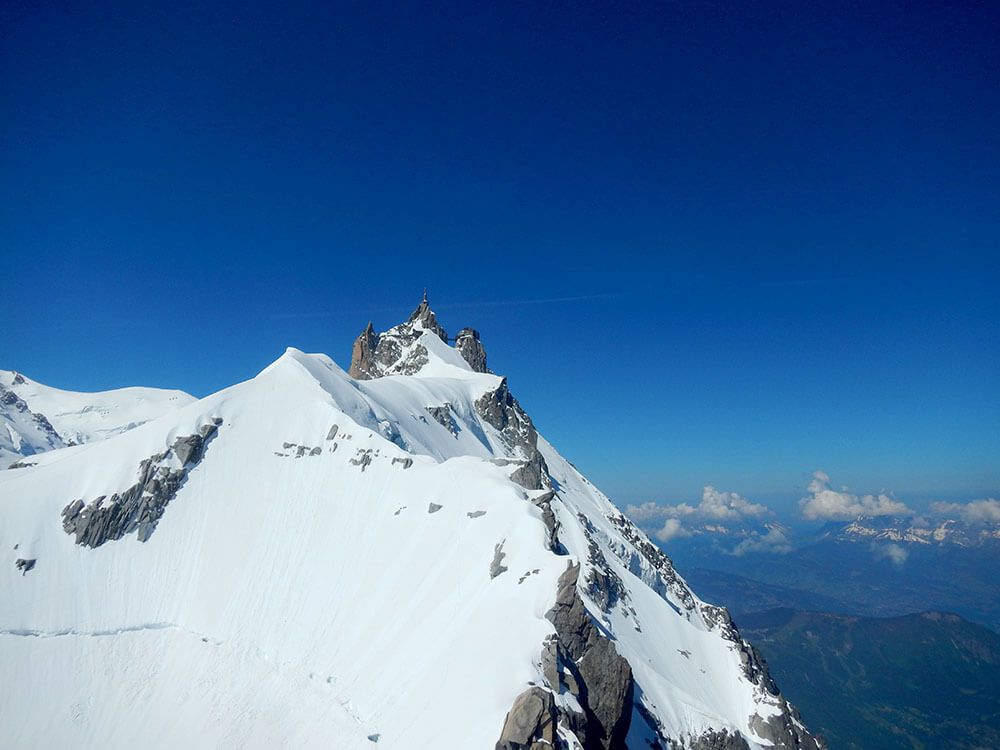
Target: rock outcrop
x,y
397,351
716,740
591,669
140,507
530,723
499,409
441,413
468,344
363,354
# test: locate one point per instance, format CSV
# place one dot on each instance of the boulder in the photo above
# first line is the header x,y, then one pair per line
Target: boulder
x,y
530,723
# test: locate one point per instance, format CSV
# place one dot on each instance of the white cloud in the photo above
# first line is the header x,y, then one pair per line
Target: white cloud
x,y
652,513
976,512
825,503
775,541
727,506
672,529
895,553
714,506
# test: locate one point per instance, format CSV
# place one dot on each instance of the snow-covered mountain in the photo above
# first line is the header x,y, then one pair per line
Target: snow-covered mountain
x,y
396,559
35,418
935,531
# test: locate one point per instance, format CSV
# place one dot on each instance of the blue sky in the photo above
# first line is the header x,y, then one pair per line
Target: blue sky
x,y
707,243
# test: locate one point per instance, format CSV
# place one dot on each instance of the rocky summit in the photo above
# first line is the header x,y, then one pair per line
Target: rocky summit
x,y
391,556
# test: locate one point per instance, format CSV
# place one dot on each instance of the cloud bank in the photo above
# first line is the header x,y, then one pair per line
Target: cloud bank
x,y
976,512
775,540
715,506
823,503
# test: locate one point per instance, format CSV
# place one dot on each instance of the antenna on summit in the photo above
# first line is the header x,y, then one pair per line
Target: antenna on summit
x,y
425,295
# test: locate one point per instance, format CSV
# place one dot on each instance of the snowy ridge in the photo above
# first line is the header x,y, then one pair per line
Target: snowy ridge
x,y
37,418
350,563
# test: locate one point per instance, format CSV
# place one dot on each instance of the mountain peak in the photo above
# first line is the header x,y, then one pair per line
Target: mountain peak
x,y
404,349
423,318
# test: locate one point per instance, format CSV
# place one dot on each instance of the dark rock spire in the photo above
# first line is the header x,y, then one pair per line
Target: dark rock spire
x,y
427,319
363,354
471,348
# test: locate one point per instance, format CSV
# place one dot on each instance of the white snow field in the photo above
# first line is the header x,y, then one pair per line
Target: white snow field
x,y
70,418
326,575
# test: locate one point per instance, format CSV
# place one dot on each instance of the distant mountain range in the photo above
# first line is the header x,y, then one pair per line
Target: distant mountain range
x,y
927,680
941,532
833,614
871,567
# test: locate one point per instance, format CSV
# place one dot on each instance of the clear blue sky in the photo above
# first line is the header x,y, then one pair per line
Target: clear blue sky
x,y
790,211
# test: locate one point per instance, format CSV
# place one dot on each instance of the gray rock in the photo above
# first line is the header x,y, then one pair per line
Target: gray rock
x,y
784,730
531,722
189,449
500,410
497,567
471,348
332,434
363,354
433,507
605,686
24,565
551,522
363,458
443,416
476,513
375,355
608,680
140,507
719,739
428,321
551,663
406,462
532,474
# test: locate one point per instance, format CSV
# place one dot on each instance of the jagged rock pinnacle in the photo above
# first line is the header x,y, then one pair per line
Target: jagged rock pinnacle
x,y
397,351
428,321
363,354
471,348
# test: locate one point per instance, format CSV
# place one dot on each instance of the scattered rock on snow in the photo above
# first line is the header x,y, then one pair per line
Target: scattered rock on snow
x,y
497,567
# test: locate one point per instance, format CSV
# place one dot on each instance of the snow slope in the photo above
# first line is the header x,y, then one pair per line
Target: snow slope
x,y
346,563
35,418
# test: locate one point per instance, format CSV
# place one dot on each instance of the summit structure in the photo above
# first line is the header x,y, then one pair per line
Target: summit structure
x,y
392,557
399,351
